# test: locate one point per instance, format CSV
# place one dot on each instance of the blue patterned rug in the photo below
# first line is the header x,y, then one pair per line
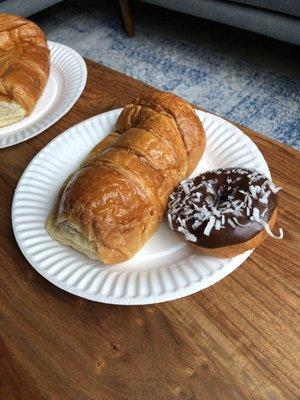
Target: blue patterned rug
x,y
263,99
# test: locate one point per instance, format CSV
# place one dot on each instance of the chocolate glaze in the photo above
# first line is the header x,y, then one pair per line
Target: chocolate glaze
x,y
222,207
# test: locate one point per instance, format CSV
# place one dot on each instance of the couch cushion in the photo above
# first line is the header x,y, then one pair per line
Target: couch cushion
x,y
290,7
277,25
25,7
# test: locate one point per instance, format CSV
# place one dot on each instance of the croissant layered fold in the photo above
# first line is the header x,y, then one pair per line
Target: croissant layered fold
x,y
116,200
24,67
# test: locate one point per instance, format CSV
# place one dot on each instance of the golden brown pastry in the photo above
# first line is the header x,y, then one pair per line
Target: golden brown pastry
x,y
24,67
116,200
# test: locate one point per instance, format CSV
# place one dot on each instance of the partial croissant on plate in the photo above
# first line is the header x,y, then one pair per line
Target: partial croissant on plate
x,y
115,201
24,67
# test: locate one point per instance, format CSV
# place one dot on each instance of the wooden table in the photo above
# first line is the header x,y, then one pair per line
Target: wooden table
x,y
234,340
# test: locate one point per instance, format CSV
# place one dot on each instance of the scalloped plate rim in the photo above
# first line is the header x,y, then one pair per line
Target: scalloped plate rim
x,y
65,106
140,299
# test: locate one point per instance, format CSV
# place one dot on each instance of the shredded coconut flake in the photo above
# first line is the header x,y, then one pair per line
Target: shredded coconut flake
x,y
218,225
268,230
256,214
264,198
189,236
196,224
231,223
186,189
170,221
237,222
253,191
209,226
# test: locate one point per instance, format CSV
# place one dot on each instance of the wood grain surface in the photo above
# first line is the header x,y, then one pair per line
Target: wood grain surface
x,y
234,340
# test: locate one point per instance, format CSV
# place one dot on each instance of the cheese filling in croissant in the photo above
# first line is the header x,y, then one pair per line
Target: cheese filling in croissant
x,y
115,201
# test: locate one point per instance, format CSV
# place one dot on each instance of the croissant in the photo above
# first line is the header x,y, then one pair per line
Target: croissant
x,y
24,67
115,201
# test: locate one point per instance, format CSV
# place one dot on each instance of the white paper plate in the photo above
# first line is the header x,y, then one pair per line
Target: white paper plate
x,y
66,82
165,268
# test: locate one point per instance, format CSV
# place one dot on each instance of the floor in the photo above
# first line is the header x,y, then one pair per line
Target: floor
x,y
236,74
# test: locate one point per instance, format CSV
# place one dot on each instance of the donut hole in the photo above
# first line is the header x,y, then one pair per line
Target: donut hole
x,y
225,196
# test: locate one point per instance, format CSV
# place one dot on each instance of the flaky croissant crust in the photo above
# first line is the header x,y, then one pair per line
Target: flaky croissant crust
x,y
116,200
24,61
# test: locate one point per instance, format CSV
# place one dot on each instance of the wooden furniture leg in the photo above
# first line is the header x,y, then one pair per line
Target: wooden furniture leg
x,y
127,17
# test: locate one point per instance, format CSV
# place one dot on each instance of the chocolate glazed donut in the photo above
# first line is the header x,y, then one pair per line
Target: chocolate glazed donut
x,y
224,212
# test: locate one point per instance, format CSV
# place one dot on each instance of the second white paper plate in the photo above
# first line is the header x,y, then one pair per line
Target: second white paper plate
x,y
65,84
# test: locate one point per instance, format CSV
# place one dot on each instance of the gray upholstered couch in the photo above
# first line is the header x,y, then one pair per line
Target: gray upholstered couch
x,y
279,19
25,7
